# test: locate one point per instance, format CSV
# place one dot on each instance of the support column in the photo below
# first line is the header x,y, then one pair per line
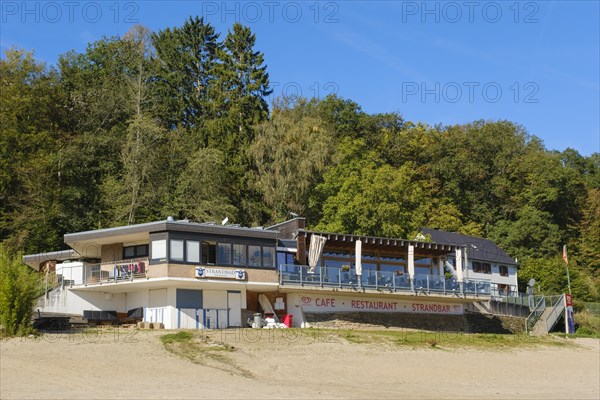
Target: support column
x,y
411,265
441,267
459,264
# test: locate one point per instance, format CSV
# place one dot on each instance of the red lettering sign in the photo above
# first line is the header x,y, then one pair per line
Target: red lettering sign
x,y
569,300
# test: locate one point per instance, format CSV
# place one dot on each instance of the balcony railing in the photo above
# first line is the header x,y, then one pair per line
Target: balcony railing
x,y
378,280
109,272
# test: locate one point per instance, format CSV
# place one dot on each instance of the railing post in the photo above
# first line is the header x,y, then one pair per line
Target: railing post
x,y
301,269
428,283
444,284
321,275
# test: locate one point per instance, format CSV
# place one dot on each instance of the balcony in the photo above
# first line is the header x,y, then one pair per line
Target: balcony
x,y
382,281
98,274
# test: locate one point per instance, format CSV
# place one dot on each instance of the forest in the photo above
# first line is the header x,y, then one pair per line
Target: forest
x,y
180,123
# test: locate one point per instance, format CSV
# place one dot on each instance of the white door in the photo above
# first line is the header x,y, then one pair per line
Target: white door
x,y
234,303
157,302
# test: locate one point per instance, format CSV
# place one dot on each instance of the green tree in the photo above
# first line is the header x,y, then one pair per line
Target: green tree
x,y
30,157
291,151
18,293
187,57
201,191
590,233
368,199
239,104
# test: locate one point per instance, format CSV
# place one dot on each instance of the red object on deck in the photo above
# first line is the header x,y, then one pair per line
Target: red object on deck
x,y
287,320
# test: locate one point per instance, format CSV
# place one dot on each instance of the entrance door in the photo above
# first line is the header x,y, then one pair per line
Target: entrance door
x,y
234,303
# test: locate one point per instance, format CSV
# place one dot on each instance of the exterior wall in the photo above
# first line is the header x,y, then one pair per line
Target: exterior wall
x,y
188,271
214,299
137,299
288,229
300,304
69,301
111,252
495,276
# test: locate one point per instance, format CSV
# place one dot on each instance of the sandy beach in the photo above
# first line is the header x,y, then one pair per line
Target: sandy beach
x,y
135,365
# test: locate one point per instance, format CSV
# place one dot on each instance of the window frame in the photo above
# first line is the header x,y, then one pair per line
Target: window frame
x,y
135,251
154,249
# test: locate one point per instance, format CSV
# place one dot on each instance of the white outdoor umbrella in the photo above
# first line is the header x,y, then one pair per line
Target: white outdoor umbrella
x,y
358,262
317,243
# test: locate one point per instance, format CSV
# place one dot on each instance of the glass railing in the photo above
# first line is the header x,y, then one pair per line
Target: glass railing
x,y
302,275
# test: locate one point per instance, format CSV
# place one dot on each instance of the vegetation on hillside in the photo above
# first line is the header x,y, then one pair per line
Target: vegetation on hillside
x,y
177,122
18,292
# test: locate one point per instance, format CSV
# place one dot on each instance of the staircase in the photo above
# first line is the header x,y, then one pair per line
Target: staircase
x,y
554,309
47,283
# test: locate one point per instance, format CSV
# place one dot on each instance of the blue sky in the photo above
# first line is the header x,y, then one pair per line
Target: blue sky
x,y
536,63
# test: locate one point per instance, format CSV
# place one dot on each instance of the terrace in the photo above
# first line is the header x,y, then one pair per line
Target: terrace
x,y
379,281
98,274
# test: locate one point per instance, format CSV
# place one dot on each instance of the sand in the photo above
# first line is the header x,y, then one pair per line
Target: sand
x,y
124,365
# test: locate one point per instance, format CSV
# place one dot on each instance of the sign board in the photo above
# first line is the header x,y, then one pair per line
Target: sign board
x,y
221,273
569,320
326,303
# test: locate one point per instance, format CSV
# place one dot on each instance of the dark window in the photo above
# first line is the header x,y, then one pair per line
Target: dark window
x,y
223,254
209,253
254,256
187,298
487,268
285,259
503,270
239,254
482,268
268,257
135,251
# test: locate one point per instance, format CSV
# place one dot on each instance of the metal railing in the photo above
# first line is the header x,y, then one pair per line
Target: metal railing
x,y
501,291
302,275
47,282
535,315
109,272
557,309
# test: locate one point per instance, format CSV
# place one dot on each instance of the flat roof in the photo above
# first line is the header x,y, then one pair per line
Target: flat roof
x,y
34,260
173,226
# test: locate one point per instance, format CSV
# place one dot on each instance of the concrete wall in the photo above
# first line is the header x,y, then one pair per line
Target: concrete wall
x,y
467,323
69,301
137,299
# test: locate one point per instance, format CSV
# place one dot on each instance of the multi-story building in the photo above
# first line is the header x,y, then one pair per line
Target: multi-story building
x,y
204,275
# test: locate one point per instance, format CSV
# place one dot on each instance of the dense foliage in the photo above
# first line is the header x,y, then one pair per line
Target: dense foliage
x,y
18,292
177,123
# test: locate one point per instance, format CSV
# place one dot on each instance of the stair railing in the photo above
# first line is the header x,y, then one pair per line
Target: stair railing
x,y
538,310
556,312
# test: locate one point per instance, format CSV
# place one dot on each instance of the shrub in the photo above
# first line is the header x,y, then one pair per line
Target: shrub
x,y
18,293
